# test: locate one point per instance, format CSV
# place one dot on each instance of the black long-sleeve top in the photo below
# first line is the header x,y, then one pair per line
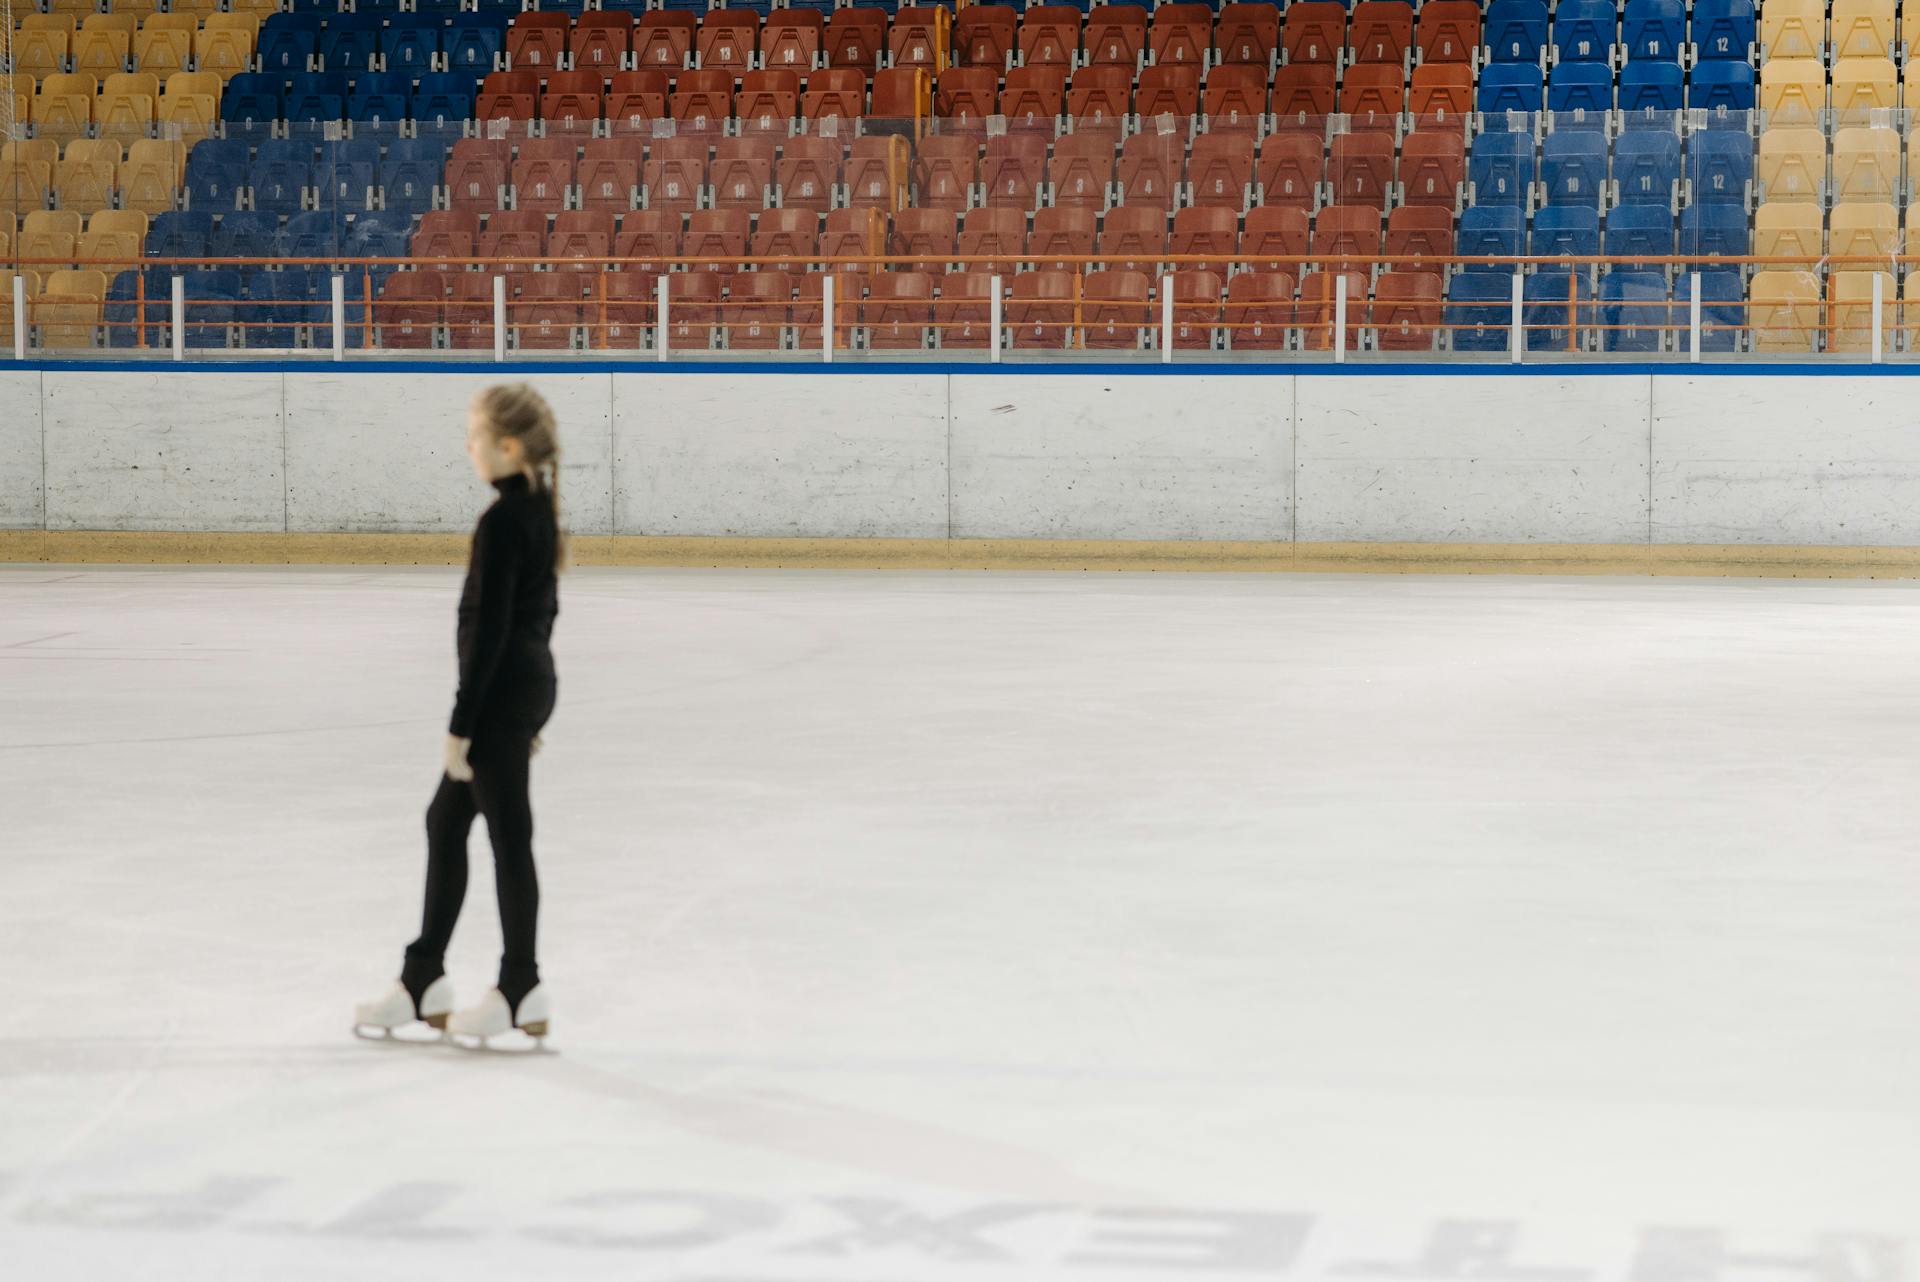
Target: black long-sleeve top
x,y
507,610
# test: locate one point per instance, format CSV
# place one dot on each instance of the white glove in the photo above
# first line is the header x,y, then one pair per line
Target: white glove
x,y
456,755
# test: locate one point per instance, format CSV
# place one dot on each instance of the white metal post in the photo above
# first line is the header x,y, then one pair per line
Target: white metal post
x,y
660,321
826,319
339,318
993,318
1879,291
1693,317
499,318
179,318
1340,318
1166,320
19,317
1517,340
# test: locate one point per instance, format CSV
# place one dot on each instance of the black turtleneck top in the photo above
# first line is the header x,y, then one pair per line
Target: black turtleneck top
x,y
507,610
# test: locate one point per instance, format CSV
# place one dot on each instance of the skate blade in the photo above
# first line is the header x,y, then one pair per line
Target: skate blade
x,y
399,1037
518,1042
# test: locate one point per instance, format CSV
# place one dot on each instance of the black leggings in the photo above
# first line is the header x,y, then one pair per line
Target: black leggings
x,y
500,758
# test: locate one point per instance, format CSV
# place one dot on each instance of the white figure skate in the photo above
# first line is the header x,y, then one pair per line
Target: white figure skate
x,y
477,1026
379,1019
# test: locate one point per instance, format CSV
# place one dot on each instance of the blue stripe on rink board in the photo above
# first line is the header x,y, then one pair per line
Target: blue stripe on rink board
x,y
1144,369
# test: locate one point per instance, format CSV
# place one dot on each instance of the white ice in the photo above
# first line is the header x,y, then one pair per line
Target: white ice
x,y
943,926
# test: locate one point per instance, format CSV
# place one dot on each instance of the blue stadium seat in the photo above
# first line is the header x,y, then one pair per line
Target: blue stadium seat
x,y
411,171
1480,310
1723,30
180,234
247,234
280,176
1583,31
349,44
1655,29
1501,169
383,10
1516,30
449,10
474,44
1643,232
1491,231
1722,304
1573,166
1715,229
1646,167
410,42
444,96
251,102
121,314
1633,308
381,234
315,234
1553,297
1572,231
1720,166
289,42
1653,88
316,95
1581,93
297,297
1721,86
381,96
347,174
210,310
1510,87
216,173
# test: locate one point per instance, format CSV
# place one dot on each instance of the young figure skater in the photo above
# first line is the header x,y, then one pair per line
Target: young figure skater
x,y
506,694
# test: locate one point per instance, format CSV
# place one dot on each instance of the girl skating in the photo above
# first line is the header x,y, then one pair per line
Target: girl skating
x,y
506,694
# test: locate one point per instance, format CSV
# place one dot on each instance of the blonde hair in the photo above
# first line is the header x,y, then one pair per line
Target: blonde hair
x,y
515,410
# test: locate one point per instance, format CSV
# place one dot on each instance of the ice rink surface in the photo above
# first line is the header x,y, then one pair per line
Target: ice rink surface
x,y
912,927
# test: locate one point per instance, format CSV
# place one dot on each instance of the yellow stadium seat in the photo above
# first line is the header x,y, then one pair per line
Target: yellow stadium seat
x,y
165,43
236,21
22,105
1784,229
9,223
138,8
150,175
225,49
87,175
1863,85
74,8
1792,164
116,235
1783,311
1863,229
191,102
127,106
6,297
1910,29
102,47
1851,296
1793,88
1866,163
261,7
42,51
1793,29
49,236
1863,28
39,151
24,185
69,310
64,104
199,8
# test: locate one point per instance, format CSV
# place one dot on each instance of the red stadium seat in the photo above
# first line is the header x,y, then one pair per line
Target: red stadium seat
x,y
790,236
849,284
584,235
477,174
1061,235
664,39
628,310
650,235
1220,171
1346,237
728,40
1361,168
574,102
1304,94
702,101
635,99
1102,93
759,307
1181,34
808,172
1406,310
1381,31
984,34
1449,31
547,312
508,95
538,40
717,233
446,233
769,100
1442,92
1319,307
856,38
1292,167
839,91
998,235
926,233
947,168
675,173
1374,92
897,93
543,174
792,39
742,172
1259,312
1201,230
898,309
1151,168
915,37
851,233
693,309
1419,229
1168,91
1116,35
1315,31
1248,33
1050,36
1082,167
470,310
412,305
1432,163
513,233
961,312
1034,97
878,173
1236,97
1196,307
1012,170
1039,310
965,96
1274,233
602,40
1134,238
1115,309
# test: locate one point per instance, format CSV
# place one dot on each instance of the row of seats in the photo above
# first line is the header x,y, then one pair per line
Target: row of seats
x,y
48,44
1785,86
62,234
128,104
1797,163
89,174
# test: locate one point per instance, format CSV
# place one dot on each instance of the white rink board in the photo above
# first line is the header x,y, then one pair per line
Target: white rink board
x,y
1828,461
1467,459
155,451
1532,457
387,452
1076,457
804,456
21,460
